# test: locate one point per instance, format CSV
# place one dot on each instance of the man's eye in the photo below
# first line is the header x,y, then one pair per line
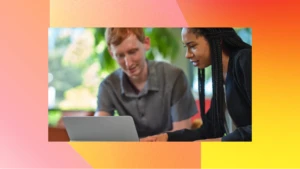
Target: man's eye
x,y
193,46
132,51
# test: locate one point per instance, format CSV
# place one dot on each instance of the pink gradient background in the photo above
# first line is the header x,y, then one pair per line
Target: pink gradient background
x,y
23,72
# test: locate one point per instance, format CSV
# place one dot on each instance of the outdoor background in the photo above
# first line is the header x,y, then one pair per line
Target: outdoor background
x,y
78,61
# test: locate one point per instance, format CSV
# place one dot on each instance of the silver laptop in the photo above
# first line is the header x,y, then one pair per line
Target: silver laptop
x,y
104,128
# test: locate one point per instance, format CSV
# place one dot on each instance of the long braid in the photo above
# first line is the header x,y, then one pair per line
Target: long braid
x,y
201,92
218,90
214,108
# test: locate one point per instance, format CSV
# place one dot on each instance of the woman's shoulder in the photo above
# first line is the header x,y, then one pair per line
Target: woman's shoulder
x,y
241,59
243,56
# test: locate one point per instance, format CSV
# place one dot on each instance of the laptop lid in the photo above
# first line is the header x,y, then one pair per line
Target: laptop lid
x,y
103,128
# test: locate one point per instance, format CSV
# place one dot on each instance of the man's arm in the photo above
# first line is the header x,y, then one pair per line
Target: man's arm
x,y
105,106
183,124
183,104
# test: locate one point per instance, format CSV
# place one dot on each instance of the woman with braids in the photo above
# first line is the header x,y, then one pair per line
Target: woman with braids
x,y
230,60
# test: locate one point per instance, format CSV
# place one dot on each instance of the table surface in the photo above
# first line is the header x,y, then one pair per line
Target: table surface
x,y
57,134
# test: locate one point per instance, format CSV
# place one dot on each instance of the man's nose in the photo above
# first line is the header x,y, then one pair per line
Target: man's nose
x,y
128,61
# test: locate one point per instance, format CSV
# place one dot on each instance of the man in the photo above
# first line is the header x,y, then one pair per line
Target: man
x,y
155,94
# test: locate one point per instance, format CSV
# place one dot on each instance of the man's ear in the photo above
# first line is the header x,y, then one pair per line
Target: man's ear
x,y
147,43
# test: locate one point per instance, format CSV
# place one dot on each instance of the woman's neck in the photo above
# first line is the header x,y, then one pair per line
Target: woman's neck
x,y
225,61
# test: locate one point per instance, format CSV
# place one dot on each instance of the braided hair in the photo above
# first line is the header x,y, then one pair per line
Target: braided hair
x,y
230,42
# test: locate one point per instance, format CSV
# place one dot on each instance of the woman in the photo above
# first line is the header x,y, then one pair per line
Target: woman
x,y
230,60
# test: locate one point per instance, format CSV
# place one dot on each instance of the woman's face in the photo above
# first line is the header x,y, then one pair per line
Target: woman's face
x,y
198,51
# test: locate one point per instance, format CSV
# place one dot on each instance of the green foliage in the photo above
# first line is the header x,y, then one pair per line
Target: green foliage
x,y
164,42
53,117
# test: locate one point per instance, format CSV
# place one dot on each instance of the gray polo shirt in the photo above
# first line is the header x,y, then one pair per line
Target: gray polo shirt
x,y
166,98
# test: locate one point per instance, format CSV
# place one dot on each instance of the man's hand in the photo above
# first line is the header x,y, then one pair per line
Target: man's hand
x,y
156,138
101,113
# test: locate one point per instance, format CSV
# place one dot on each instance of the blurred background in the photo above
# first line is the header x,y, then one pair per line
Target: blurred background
x,y
78,61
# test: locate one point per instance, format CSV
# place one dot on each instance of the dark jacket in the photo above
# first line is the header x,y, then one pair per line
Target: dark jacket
x,y
238,95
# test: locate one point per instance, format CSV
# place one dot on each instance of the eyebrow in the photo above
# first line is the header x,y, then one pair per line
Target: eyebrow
x,y
133,49
130,50
188,43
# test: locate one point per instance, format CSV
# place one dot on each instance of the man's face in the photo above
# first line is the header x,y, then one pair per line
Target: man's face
x,y
130,55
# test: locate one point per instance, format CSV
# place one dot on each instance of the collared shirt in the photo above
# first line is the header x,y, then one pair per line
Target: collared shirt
x,y
165,98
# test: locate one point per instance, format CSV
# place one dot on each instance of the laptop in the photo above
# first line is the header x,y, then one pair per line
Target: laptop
x,y
103,128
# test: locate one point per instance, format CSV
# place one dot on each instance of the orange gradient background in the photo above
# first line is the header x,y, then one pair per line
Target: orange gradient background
x,y
276,32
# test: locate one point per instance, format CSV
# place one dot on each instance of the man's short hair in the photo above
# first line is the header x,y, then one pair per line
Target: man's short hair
x,y
115,36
